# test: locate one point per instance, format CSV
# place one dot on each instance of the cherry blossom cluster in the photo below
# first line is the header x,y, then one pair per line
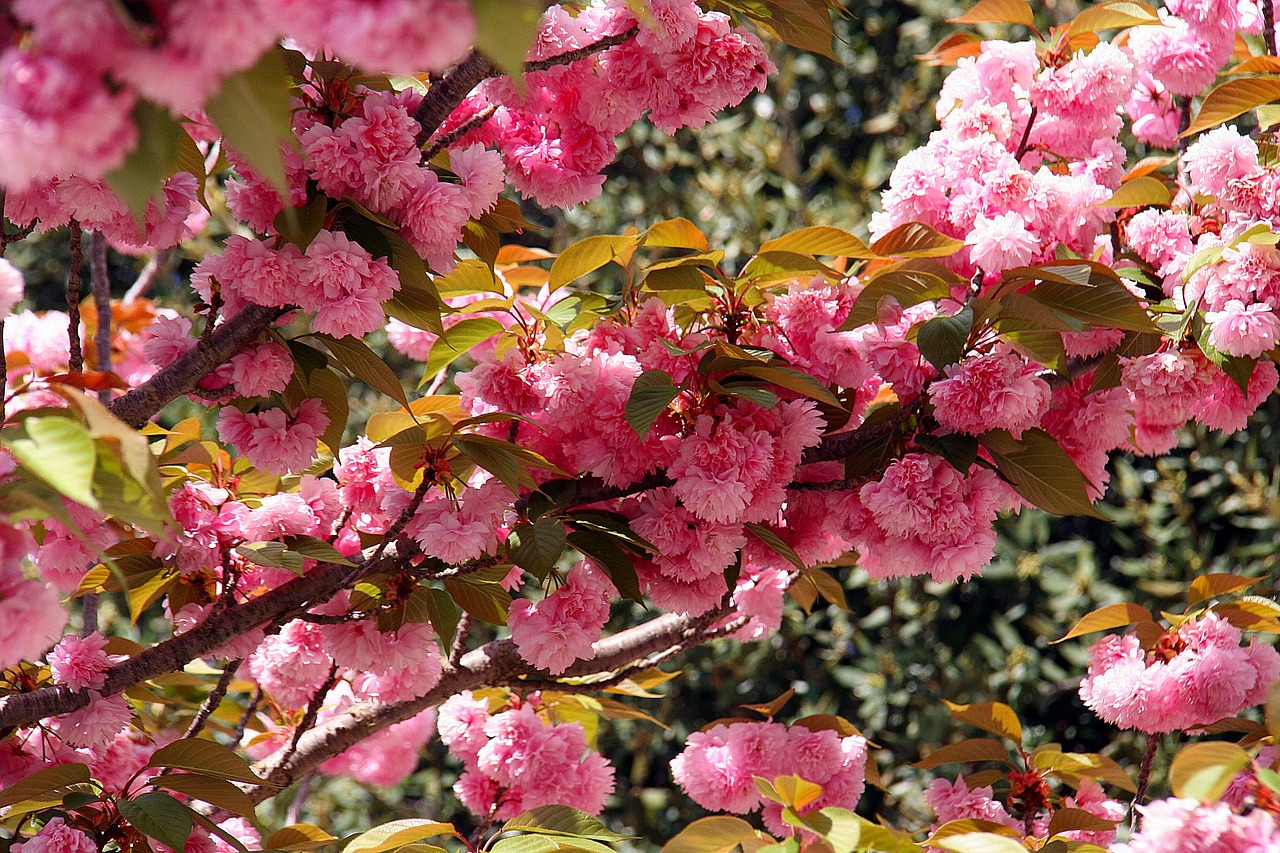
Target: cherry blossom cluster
x,y
958,801
1194,676
516,759
719,766
1176,825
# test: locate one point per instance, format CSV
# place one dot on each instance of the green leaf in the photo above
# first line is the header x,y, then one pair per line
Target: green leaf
x,y
355,355
252,110
1041,471
537,547
486,602
444,615
943,340
316,549
396,834
44,784
215,792
605,551
587,256
417,302
1103,302
979,842
793,380
960,450
652,392
678,233
494,456
59,452
300,225
562,820
141,177
505,30
158,816
206,758
458,340
548,844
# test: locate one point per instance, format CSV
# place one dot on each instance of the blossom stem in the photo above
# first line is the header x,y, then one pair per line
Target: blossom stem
x,y
1026,136
75,352
100,277
1144,777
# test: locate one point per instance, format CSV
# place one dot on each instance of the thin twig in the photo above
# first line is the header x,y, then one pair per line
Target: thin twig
x,y
312,712
445,140
1026,135
75,351
147,277
213,700
249,711
460,640
1144,778
1269,27
101,279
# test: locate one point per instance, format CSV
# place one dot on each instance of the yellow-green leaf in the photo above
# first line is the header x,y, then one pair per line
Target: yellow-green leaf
x,y
994,717
1213,585
1111,616
589,255
1234,98
917,240
1146,191
819,240
397,834
716,834
1202,771
972,749
252,110
1113,16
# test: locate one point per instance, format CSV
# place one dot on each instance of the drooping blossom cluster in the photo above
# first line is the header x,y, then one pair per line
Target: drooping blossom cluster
x,y
1193,676
560,628
718,766
516,760
31,615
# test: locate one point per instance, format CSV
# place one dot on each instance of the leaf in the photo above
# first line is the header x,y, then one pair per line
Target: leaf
x,y
397,833
769,710
1068,819
587,256
316,549
59,452
1145,191
158,816
205,757
605,551
917,240
994,717
969,825
819,240
300,225
979,842
1202,771
252,110
972,749
458,340
998,12
537,547
677,233
44,783
652,392
494,456
141,177
802,24
1272,708
215,792
1113,16
355,355
1041,471
298,836
1233,98
1111,616
562,820
906,287
944,340
1102,302
793,380
775,542
717,834
1213,585
547,844
505,30
486,602
1073,765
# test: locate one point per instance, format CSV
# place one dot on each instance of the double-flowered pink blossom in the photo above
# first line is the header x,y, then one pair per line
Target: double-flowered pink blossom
x,y
560,629
1193,677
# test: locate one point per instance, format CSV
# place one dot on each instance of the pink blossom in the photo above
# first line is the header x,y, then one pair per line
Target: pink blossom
x,y
344,285
560,629
32,617
56,837
263,370
461,724
273,440
1219,156
432,217
11,288
98,723
1243,330
1188,826
388,756
957,801
81,662
999,390
1000,243
481,174
291,665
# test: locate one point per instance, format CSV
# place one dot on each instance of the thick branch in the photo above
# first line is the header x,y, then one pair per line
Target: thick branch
x,y
495,664
181,377
319,584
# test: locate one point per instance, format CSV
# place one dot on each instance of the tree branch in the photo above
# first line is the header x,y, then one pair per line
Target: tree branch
x,y
317,585
182,377
494,664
